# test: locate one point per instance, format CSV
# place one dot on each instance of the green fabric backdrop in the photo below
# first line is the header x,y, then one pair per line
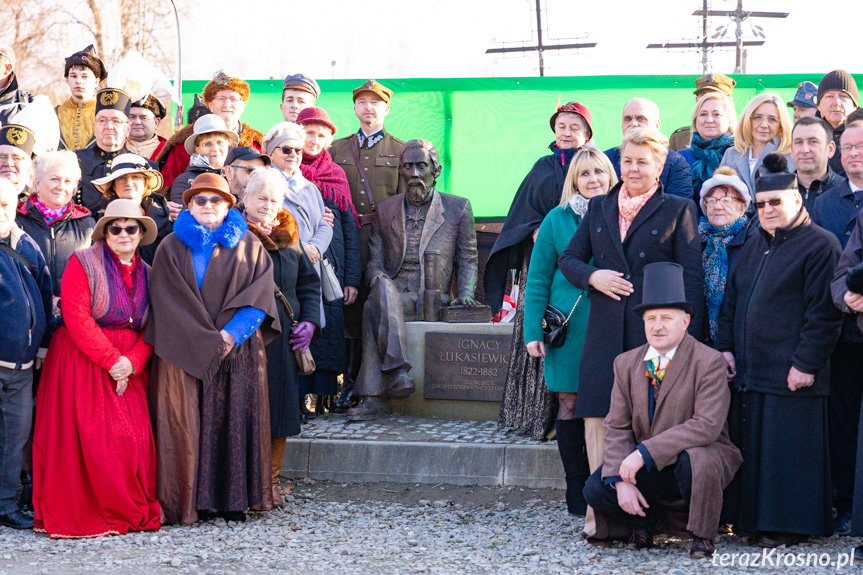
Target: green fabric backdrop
x,y
490,131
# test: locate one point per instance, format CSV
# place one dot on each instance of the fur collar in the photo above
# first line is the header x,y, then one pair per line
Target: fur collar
x,y
195,236
284,235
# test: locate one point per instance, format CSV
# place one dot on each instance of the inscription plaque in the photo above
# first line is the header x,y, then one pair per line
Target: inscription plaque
x,y
466,366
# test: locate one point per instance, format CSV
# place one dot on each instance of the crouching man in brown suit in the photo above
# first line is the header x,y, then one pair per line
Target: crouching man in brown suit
x,y
666,437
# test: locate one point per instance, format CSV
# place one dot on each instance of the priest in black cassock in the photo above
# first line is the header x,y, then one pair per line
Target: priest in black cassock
x,y
777,329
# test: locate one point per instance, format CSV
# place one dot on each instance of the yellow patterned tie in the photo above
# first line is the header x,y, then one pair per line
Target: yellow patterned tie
x,y
654,373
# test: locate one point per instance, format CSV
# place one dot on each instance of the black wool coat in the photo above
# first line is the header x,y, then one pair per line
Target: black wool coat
x,y
778,311
344,253
665,230
297,279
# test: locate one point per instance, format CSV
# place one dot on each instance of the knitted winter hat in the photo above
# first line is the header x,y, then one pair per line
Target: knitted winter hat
x,y
773,175
839,80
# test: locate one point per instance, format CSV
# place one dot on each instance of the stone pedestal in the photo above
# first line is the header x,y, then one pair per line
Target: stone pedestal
x,y
456,409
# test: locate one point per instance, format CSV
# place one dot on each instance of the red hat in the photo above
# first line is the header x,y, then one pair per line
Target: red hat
x,y
313,115
574,108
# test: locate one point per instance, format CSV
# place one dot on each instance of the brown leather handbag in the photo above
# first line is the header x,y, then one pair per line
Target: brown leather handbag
x,y
305,361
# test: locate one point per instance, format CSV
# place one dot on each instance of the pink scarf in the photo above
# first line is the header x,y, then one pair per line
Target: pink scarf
x,y
629,207
50,215
323,172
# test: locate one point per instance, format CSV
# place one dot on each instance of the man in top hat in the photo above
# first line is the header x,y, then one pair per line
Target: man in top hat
x,y
111,131
666,437
225,96
83,72
837,98
777,330
676,178
681,137
805,100
240,164
145,115
16,151
11,96
298,93
370,159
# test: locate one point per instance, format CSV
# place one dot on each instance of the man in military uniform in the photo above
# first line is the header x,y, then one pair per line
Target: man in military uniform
x,y
11,96
110,133
83,72
681,137
408,226
370,159
145,116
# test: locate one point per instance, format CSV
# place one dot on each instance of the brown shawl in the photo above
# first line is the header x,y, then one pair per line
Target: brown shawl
x,y
185,321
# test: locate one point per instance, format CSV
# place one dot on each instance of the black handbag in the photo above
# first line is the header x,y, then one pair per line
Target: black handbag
x,y
554,324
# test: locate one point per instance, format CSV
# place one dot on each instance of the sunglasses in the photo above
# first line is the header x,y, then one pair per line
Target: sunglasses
x,y
286,150
775,202
117,230
202,201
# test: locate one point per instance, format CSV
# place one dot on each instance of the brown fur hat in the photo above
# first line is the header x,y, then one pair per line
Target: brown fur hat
x,y
224,82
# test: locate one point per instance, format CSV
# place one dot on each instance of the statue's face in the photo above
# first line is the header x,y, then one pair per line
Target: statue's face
x,y
417,171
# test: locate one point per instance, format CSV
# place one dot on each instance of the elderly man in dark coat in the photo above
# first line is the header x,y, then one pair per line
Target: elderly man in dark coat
x,y
407,226
777,329
666,436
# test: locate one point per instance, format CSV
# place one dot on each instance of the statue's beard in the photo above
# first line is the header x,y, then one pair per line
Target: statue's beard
x,y
417,193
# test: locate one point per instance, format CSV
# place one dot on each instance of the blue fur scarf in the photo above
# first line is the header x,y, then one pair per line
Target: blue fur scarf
x,y
197,237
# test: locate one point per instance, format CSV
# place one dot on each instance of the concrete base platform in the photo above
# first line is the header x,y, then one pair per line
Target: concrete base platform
x,y
409,449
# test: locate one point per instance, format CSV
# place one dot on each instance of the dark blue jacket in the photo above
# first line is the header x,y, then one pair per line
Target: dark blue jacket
x,y
817,189
26,302
676,178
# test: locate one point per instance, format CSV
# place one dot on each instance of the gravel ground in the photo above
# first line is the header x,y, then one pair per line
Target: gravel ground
x,y
384,528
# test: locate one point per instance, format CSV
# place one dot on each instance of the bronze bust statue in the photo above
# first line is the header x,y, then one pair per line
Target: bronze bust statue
x,y
422,221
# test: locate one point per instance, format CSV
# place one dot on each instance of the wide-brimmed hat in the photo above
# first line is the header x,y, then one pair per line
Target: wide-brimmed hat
x,y
313,115
122,209
210,124
663,288
129,164
574,108
210,182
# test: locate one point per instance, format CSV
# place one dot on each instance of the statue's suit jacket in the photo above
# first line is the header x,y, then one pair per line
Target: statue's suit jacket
x,y
449,228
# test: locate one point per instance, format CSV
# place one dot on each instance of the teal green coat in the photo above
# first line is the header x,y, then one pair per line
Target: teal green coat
x,y
546,285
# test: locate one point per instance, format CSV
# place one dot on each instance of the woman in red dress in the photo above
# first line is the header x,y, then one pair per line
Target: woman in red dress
x,y
94,461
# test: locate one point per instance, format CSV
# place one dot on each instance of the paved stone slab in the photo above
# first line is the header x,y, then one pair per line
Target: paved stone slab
x,y
534,466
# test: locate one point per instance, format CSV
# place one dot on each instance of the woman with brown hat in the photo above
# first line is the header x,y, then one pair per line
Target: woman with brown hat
x,y
527,402
94,462
213,313
133,178
343,253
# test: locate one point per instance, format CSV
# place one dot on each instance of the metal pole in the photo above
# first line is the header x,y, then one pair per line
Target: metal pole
x,y
178,119
704,39
539,45
738,66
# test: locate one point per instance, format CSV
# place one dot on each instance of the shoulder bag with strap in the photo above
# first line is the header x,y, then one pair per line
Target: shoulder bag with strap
x,y
305,361
554,324
7,249
363,219
331,289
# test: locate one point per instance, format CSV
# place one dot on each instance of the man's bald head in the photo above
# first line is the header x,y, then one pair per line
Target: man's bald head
x,y
640,113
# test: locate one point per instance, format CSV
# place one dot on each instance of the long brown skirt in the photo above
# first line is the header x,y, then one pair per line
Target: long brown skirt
x,y
228,467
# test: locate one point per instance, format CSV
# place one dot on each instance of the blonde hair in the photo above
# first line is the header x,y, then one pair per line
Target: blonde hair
x,y
727,105
743,137
651,138
586,158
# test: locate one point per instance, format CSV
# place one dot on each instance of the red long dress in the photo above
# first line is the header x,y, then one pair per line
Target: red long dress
x,y
94,460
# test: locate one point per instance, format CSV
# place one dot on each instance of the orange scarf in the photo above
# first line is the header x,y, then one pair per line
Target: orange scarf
x,y
628,207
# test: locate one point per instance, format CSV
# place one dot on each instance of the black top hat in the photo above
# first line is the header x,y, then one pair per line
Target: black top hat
x,y
19,136
663,288
113,99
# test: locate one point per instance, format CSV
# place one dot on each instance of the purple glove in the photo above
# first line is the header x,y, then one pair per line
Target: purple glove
x,y
301,337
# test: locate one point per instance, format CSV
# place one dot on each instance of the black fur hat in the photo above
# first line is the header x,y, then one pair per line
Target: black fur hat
x,y
773,174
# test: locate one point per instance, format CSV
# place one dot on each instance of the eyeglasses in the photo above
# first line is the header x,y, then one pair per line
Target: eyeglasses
x,y
758,118
843,147
202,201
286,150
223,100
11,159
102,122
726,201
775,202
117,230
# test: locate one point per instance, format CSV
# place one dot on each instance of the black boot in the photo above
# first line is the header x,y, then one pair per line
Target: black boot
x,y
573,454
347,398
25,501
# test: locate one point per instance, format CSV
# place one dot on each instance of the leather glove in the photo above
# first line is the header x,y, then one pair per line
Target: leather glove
x,y
301,337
